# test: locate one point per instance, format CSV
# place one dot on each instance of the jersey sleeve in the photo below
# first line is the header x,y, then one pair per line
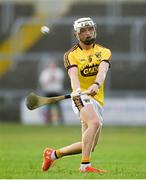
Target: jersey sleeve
x,y
106,56
69,61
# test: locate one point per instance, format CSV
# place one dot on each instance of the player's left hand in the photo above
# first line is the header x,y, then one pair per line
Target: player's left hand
x,y
77,92
93,89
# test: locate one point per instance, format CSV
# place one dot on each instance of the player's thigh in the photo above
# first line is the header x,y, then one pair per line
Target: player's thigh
x,y
88,115
83,112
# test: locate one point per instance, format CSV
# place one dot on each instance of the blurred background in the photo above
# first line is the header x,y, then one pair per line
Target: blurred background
x,y
25,51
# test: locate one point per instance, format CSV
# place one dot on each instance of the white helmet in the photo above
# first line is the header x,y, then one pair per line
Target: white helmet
x,y
83,22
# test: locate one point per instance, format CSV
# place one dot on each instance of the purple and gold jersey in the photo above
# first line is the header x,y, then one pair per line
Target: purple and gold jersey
x,y
87,62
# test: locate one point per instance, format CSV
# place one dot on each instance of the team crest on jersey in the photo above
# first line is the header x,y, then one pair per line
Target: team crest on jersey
x,y
98,55
89,70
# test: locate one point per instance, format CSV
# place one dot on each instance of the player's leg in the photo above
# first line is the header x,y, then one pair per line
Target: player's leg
x,y
76,148
72,149
50,155
98,109
97,135
92,122
96,138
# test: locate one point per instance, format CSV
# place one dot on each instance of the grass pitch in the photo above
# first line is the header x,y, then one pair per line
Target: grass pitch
x,y
122,150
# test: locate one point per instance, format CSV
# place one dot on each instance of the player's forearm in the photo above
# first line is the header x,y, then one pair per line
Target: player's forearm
x,y
75,83
73,74
102,72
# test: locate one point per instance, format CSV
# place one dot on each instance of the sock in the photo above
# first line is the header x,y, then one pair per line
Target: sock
x,y
85,162
83,166
56,154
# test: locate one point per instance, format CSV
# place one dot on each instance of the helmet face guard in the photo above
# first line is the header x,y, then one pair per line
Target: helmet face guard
x,y
82,23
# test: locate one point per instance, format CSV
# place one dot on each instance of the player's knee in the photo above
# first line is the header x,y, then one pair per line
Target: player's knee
x,y
95,123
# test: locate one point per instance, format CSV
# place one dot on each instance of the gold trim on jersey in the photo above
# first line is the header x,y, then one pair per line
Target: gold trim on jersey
x,y
66,60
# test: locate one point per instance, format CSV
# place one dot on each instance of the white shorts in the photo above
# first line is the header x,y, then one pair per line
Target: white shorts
x,y
82,101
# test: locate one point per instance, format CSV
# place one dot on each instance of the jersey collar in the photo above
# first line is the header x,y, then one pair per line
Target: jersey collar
x,y
82,48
